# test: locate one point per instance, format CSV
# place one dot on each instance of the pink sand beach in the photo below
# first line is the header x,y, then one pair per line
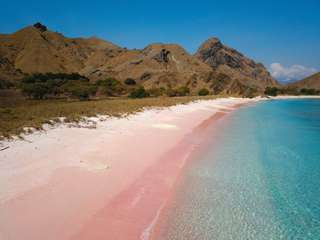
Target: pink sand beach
x,y
110,182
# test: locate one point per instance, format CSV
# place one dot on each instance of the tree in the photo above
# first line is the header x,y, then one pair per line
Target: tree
x,y
5,84
40,86
309,91
183,91
83,92
110,87
36,90
139,93
203,92
250,92
271,91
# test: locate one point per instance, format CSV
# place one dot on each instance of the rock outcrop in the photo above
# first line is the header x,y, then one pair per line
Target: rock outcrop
x,y
162,56
40,27
235,65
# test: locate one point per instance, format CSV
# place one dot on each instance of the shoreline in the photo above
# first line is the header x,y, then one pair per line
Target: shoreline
x,y
25,118
208,129
295,97
78,177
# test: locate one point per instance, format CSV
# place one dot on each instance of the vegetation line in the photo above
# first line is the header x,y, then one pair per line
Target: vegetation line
x,y
18,117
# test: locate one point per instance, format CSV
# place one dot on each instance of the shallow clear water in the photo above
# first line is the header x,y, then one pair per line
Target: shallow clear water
x,y
259,179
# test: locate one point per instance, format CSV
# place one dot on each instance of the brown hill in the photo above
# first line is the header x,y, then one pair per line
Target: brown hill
x,y
35,49
158,65
238,72
312,82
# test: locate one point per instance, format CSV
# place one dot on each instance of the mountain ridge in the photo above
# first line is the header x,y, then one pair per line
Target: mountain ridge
x,y
311,82
36,49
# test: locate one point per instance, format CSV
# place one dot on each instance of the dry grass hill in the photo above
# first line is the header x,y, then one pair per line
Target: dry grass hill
x,y
221,69
312,82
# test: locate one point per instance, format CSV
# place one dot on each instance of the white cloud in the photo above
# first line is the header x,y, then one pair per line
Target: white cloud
x,y
291,73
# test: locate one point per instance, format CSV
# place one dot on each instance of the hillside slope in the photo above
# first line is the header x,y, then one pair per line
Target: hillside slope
x,y
158,65
312,82
35,49
239,71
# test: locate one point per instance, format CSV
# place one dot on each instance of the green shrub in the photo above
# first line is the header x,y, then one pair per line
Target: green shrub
x,y
139,93
309,91
183,91
289,90
36,90
250,92
83,92
271,91
110,87
44,77
171,92
203,92
5,84
130,81
40,86
71,85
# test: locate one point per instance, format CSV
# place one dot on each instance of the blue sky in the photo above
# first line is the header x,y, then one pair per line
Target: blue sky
x,y
285,33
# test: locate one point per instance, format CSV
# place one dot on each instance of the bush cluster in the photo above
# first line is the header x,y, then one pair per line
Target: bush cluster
x,y
271,91
203,92
53,85
110,87
139,92
178,92
41,86
274,91
5,84
309,91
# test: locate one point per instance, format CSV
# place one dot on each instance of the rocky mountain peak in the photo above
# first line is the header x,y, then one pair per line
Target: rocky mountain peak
x,y
229,61
214,53
213,42
40,27
162,56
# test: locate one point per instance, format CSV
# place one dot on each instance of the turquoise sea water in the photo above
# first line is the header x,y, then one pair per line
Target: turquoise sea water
x,y
259,178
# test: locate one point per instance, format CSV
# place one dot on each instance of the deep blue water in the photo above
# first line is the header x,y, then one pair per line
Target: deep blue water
x,y
259,179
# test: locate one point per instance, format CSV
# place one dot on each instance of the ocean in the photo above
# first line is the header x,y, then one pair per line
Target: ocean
x,y
258,178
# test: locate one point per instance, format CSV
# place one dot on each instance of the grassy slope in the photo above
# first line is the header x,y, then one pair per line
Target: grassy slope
x,y
31,113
